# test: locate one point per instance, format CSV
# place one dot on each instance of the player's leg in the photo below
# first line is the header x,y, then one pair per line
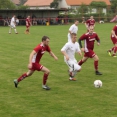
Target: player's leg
x,y
22,77
45,77
14,27
83,60
77,68
114,50
73,68
27,30
69,37
10,29
96,60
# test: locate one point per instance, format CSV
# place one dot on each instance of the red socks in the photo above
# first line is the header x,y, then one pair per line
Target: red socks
x,y
80,62
45,77
22,77
96,65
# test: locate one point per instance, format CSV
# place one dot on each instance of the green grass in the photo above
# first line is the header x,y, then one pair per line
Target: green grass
x,y
65,99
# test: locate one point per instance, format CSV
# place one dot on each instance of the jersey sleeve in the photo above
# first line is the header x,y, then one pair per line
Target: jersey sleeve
x,y
83,37
115,28
65,47
48,49
97,38
71,28
78,48
37,48
87,22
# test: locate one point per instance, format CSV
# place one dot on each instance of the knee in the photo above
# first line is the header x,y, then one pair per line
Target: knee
x,y
29,74
47,71
78,69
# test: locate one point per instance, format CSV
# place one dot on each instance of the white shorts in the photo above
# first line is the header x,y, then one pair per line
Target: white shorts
x,y
73,65
12,26
69,37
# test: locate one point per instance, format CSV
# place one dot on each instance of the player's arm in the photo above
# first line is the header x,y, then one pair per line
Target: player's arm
x,y
53,55
86,24
79,51
65,54
30,58
113,33
98,40
80,43
63,51
70,29
26,23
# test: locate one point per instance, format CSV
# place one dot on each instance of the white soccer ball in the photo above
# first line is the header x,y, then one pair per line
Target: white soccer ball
x,y
98,83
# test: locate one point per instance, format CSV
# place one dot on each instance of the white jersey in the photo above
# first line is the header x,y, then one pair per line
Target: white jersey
x,y
12,21
73,29
71,48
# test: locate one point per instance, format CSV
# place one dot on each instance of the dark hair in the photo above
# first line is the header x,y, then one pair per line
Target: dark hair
x,y
44,38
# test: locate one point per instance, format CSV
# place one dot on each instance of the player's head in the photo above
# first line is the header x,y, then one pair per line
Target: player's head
x,y
91,29
28,17
14,16
45,40
73,37
91,17
76,22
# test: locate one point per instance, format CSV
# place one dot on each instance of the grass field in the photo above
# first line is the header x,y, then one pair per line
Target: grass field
x,y
65,99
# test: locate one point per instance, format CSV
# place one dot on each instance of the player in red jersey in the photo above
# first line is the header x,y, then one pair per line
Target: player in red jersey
x,y
89,39
34,62
114,40
28,24
90,22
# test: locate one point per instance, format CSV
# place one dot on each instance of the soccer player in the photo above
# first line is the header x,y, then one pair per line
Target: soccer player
x,y
28,24
13,25
90,22
114,40
69,50
89,39
34,62
73,29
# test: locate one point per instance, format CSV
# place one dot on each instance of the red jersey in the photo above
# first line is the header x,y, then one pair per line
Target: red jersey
x,y
28,21
90,22
89,40
115,30
40,50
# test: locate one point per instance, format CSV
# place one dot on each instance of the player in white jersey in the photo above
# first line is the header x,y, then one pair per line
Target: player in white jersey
x,y
69,50
73,29
13,25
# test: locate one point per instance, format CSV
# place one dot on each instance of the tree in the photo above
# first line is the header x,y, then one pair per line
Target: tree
x,y
113,5
22,7
83,9
54,4
7,4
99,5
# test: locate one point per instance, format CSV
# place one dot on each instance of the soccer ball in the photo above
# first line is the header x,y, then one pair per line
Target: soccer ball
x,y
98,83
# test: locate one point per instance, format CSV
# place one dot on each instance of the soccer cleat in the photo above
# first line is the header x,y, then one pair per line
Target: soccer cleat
x,y
72,79
114,55
98,73
16,33
16,83
45,87
109,52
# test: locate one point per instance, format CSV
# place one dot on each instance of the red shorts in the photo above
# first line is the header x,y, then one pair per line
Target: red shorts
x,y
114,40
36,66
89,54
